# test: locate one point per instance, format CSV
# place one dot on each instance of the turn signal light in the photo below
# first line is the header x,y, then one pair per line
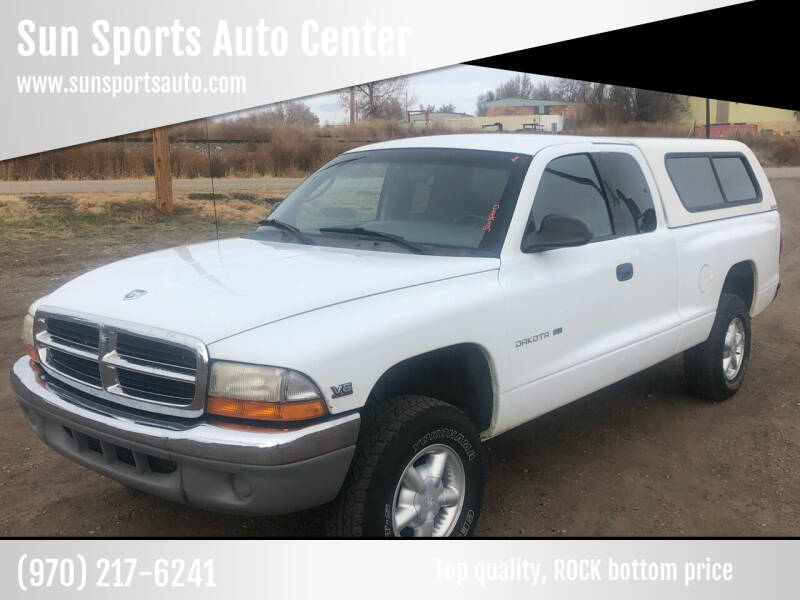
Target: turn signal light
x,y
31,352
38,372
266,411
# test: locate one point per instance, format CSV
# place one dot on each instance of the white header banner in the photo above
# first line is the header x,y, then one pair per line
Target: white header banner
x,y
72,72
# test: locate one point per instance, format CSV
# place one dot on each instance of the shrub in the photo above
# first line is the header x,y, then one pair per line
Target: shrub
x,y
637,129
260,147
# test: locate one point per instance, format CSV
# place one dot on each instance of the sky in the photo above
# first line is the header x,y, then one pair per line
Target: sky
x,y
459,85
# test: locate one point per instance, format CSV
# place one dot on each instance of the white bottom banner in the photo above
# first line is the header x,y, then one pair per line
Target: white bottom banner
x,y
385,569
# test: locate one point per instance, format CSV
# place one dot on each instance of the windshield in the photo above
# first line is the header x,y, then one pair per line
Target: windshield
x,y
437,201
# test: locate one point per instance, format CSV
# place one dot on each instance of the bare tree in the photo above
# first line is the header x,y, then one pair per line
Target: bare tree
x,y
518,86
574,90
607,103
379,99
294,113
488,96
544,91
616,103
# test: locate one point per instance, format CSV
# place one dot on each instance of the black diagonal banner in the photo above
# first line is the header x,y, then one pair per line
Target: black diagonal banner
x,y
743,53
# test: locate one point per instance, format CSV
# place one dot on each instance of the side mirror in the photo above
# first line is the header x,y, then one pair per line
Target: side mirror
x,y
557,231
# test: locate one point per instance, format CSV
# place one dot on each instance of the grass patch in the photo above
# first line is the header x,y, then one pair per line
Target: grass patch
x,y
51,205
44,232
247,196
206,196
91,209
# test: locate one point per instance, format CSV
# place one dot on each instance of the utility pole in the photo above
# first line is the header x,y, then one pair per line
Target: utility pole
x,y
352,105
708,118
162,170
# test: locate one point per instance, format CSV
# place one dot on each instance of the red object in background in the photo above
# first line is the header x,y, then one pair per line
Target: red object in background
x,y
725,130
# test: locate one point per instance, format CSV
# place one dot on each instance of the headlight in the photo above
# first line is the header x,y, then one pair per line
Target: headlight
x,y
28,329
262,393
27,337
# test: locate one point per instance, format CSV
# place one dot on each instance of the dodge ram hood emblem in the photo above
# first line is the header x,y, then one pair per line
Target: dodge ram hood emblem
x,y
134,294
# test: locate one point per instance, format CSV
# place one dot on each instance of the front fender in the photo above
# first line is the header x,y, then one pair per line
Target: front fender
x,y
356,342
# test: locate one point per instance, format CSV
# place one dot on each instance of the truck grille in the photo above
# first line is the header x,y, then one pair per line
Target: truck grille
x,y
79,368
74,334
141,349
155,388
124,365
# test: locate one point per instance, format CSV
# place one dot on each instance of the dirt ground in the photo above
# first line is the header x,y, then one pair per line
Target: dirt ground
x,y
639,458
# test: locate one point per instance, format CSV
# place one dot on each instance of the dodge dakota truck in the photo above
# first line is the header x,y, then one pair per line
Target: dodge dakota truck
x,y
408,301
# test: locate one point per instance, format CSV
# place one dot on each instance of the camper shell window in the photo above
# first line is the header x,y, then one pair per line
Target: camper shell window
x,y
709,181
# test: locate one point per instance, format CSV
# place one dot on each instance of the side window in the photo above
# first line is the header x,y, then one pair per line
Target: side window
x,y
734,178
570,186
629,198
695,181
708,181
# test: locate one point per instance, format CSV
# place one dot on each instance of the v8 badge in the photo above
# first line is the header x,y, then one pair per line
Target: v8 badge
x,y
344,389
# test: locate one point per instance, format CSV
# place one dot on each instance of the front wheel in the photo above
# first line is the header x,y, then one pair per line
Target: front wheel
x,y
418,472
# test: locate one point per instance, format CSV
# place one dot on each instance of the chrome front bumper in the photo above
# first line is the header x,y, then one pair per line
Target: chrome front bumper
x,y
244,471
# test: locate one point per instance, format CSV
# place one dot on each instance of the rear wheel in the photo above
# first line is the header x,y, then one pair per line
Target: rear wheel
x,y
418,472
716,368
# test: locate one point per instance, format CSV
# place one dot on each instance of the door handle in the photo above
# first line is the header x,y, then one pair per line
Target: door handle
x,y
624,272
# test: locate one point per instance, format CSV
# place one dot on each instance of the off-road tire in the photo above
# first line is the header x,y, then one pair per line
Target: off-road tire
x,y
392,433
702,365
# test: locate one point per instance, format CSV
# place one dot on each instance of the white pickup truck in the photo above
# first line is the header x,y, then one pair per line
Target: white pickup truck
x,y
408,301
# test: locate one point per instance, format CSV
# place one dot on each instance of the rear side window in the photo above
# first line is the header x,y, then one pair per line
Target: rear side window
x,y
628,194
711,181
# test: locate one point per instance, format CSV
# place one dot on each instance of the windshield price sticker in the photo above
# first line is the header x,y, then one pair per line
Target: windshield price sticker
x,y
78,573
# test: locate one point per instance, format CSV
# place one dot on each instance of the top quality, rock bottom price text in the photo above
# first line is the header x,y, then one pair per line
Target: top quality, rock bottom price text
x,y
521,570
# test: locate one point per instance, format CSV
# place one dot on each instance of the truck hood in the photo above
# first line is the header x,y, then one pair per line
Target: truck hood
x,y
217,289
